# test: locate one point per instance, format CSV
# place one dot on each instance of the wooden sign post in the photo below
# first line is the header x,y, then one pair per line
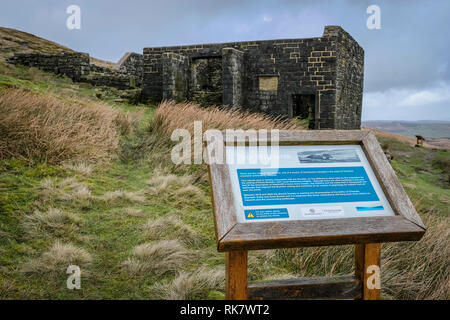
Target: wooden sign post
x,y
329,187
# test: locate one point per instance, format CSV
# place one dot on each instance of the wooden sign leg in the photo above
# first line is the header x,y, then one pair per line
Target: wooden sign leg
x,y
367,269
236,275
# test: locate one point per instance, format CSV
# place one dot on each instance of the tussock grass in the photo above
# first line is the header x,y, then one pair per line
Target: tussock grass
x,y
7,288
161,181
169,227
191,285
260,263
114,197
53,222
170,116
65,190
133,212
82,168
42,127
317,261
157,258
409,270
55,260
419,270
179,190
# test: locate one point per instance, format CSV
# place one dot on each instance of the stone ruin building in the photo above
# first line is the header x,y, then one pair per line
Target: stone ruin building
x,y
319,80
316,79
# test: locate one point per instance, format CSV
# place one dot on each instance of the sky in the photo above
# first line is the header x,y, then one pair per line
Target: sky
x,y
406,70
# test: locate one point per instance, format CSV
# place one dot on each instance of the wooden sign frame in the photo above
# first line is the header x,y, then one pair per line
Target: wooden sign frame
x,y
365,232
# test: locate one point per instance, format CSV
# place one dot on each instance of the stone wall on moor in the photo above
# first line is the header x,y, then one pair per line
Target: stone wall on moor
x,y
317,79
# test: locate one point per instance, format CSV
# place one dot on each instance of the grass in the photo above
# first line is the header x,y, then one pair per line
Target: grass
x,y
158,258
54,222
201,284
44,128
56,259
169,226
141,227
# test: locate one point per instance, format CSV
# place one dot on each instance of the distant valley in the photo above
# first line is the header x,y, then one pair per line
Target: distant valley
x,y
435,132
427,129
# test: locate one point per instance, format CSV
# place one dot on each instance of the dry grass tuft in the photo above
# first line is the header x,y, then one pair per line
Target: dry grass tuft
x,y
56,260
67,190
128,122
191,285
316,261
260,262
157,257
190,191
170,116
42,127
82,168
54,221
120,195
7,288
419,270
133,212
177,189
161,181
169,226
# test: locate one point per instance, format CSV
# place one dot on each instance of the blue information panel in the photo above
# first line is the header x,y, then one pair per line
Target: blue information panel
x,y
305,185
306,182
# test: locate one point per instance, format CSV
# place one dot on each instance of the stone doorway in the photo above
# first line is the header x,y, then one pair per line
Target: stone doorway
x,y
206,81
303,108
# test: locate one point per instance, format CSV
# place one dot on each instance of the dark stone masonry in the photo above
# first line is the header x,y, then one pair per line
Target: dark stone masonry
x,y
74,65
126,74
318,79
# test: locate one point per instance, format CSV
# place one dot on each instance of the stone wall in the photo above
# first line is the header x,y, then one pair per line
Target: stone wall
x,y
73,65
350,81
132,64
77,67
266,75
175,84
233,76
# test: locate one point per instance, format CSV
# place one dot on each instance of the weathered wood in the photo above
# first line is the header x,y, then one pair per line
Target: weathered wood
x,y
236,275
339,287
222,200
367,255
392,188
304,137
230,235
323,232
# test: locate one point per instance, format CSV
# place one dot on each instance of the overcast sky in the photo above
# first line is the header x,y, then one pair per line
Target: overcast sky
x,y
407,72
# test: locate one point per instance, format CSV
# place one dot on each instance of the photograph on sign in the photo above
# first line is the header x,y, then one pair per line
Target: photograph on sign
x,y
309,182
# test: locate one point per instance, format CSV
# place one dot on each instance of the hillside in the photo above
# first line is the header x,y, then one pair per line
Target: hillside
x,y
16,41
86,179
430,143
427,129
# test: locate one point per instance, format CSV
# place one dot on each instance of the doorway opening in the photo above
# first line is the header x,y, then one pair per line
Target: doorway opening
x,y
206,80
303,109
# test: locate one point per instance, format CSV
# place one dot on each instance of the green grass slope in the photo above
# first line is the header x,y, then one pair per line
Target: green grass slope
x,y
141,227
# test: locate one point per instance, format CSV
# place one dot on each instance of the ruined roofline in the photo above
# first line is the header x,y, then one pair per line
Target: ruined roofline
x,y
121,61
329,31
